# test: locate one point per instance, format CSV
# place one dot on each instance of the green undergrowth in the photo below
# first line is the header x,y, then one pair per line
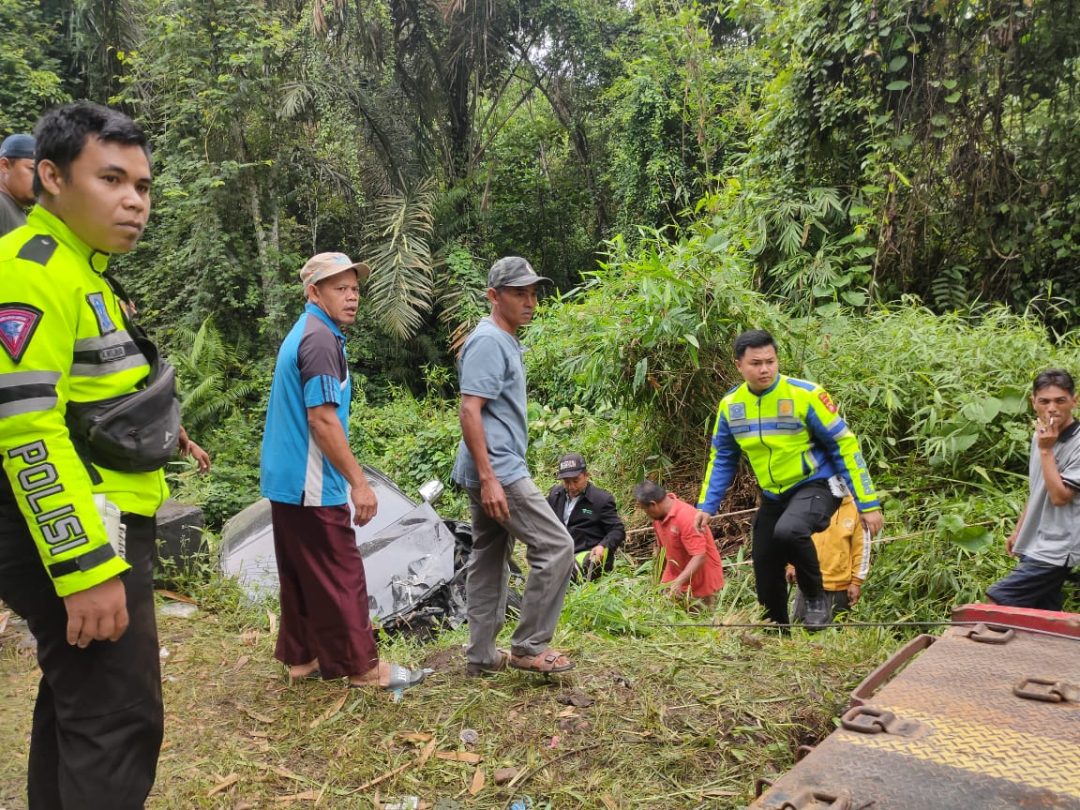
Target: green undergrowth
x,y
659,713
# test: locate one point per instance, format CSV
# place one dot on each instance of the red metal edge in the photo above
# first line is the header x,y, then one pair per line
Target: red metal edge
x,y
862,694
1049,621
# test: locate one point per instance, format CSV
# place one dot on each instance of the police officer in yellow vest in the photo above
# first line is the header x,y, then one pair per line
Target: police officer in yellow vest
x,y
77,537
797,445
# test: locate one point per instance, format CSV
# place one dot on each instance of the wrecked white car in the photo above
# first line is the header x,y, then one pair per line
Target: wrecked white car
x,y
414,560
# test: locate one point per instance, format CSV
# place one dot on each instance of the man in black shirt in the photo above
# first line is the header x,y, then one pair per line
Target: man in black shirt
x,y
590,516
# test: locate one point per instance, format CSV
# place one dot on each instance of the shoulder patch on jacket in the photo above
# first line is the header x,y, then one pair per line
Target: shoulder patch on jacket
x,y
830,406
17,325
39,249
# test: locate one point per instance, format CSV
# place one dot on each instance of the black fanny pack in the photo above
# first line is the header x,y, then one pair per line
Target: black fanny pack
x,y
136,432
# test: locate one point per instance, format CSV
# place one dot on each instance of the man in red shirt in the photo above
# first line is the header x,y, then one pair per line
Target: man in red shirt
x,y
692,564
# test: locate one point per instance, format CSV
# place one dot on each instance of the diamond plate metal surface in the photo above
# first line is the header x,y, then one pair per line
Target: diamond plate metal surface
x,y
977,745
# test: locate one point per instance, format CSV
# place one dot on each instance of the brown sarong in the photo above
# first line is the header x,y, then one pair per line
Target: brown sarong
x,y
324,601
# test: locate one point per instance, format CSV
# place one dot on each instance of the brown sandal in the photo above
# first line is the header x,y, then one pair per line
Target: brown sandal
x,y
547,662
477,670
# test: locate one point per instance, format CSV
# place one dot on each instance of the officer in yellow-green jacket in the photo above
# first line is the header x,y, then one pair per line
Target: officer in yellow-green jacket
x,y
800,450
76,535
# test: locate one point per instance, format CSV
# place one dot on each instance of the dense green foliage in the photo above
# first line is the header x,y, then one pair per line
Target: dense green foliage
x,y
938,125
945,422
29,65
858,150
892,187
888,185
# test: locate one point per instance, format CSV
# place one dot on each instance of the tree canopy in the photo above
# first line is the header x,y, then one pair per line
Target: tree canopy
x,y
851,152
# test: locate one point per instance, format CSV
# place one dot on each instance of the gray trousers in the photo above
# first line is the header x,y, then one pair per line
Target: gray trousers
x,y
550,552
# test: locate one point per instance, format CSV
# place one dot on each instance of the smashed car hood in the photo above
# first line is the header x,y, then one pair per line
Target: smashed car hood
x,y
408,552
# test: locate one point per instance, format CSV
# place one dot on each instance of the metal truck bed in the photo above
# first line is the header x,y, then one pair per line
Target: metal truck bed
x,y
982,717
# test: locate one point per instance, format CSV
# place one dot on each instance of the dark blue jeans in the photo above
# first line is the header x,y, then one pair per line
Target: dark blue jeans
x,y
1032,584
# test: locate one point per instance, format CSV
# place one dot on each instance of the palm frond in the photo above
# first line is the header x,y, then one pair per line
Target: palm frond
x,y
401,286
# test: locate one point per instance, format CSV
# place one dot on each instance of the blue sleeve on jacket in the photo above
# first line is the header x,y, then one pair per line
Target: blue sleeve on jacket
x,y
721,468
828,438
826,441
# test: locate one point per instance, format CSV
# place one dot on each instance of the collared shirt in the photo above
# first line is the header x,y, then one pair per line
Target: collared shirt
x,y
592,520
569,507
1051,534
491,367
681,541
311,370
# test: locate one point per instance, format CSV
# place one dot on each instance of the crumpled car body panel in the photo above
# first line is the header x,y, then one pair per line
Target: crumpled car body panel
x,y
408,551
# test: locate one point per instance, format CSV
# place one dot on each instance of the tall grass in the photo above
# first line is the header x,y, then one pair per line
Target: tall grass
x,y
940,402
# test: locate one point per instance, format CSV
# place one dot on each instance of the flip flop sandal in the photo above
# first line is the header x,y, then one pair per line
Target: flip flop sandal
x,y
546,663
401,678
477,670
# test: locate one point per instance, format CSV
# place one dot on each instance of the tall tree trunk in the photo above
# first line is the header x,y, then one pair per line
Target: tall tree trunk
x,y
267,244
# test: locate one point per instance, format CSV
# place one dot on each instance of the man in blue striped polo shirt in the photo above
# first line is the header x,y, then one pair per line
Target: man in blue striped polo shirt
x,y
310,476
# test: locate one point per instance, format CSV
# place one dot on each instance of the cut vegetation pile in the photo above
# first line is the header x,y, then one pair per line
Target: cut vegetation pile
x,y
654,716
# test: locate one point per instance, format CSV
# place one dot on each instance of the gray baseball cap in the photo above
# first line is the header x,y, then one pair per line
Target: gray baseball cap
x,y
513,271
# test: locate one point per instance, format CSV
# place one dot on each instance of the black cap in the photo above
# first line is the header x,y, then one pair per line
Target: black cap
x,y
571,465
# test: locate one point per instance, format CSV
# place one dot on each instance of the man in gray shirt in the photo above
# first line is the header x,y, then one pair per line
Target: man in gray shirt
x,y
1047,536
16,180
503,500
